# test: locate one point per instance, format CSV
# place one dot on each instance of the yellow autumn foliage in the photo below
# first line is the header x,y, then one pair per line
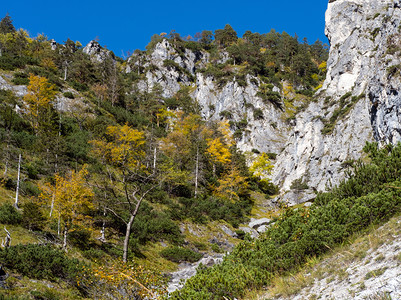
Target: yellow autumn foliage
x,y
40,96
124,149
230,184
70,197
262,166
218,151
323,67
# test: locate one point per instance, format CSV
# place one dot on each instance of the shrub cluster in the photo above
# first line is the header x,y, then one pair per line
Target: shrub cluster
x,y
9,215
180,254
202,209
40,262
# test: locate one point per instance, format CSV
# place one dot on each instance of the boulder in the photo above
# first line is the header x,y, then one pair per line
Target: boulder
x,y
252,232
255,223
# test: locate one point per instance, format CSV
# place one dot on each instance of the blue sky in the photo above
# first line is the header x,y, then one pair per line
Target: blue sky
x,y
128,25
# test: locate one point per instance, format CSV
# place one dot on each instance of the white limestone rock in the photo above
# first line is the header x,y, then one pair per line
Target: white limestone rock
x,y
252,232
256,223
96,52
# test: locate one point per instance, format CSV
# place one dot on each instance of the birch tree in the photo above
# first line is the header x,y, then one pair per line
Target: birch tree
x,y
18,182
71,198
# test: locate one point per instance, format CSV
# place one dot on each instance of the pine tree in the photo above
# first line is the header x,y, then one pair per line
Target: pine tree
x,y
6,25
225,37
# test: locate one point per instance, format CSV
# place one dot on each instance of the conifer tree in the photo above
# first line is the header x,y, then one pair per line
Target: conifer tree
x,y
225,37
6,25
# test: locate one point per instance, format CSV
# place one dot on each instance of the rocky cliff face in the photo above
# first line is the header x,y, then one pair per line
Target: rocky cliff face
x,y
266,134
364,62
172,70
364,58
358,102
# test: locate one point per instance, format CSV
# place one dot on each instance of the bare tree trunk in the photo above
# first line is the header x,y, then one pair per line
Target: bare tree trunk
x,y
129,224
126,239
103,230
52,205
65,238
65,72
196,171
58,225
154,158
7,241
18,180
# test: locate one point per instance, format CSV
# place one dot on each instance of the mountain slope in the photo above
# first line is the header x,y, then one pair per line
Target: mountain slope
x,y
367,268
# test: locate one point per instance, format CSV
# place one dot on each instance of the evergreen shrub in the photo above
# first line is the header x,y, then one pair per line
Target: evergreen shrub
x,y
20,78
180,254
9,214
40,262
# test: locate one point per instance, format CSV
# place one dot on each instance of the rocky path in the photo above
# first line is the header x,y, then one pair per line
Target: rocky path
x,y
187,270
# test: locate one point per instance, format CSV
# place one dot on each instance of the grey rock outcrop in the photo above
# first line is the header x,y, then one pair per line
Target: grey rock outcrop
x,y
267,133
252,232
4,85
96,52
365,40
256,223
53,44
364,57
262,228
171,70
168,68
187,270
19,90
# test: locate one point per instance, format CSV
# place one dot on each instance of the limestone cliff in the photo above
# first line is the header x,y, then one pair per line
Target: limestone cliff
x,y
172,70
364,57
364,63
